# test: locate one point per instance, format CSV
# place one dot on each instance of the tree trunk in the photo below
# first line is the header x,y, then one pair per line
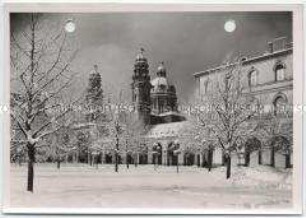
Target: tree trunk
x,y
210,159
58,164
31,155
272,161
136,160
97,161
89,159
203,160
78,155
19,161
198,160
247,159
259,157
92,160
287,156
127,162
116,162
228,166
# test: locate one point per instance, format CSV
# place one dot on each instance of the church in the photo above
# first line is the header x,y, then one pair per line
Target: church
x,y
155,103
155,100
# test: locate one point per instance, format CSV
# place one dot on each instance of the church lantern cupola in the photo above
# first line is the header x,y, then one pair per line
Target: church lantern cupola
x,y
161,70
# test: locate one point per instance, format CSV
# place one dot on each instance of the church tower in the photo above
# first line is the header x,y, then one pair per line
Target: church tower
x,y
141,88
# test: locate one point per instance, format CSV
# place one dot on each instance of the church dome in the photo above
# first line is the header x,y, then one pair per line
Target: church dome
x,y
160,85
160,82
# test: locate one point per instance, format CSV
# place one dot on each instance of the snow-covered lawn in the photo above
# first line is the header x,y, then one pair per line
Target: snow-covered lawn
x,y
192,188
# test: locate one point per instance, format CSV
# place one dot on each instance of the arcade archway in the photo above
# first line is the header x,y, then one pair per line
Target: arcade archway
x,y
189,158
157,152
252,144
172,159
281,147
108,158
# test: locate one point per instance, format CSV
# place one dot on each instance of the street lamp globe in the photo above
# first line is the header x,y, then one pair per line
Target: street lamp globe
x,y
70,26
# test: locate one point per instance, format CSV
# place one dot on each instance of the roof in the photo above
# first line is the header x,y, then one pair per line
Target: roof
x,y
174,129
246,61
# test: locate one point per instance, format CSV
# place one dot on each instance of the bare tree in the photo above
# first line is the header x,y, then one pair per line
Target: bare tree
x,y
228,110
276,128
61,144
40,71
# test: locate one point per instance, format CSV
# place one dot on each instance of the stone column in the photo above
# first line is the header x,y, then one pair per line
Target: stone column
x,y
164,157
201,159
123,157
180,158
113,157
150,156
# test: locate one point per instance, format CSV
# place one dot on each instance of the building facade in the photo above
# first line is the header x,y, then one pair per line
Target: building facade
x,y
268,78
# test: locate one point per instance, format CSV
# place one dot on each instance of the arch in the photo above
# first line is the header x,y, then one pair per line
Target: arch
x,y
157,153
108,158
119,159
189,157
129,158
279,63
280,144
280,101
143,155
172,159
280,94
251,145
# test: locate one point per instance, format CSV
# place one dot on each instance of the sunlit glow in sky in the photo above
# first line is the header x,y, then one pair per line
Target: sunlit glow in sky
x,y
230,26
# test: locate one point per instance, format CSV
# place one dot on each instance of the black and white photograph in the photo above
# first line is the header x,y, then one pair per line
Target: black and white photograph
x,y
162,110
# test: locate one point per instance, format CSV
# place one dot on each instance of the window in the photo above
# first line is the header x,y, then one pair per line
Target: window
x,y
279,72
253,78
205,84
279,105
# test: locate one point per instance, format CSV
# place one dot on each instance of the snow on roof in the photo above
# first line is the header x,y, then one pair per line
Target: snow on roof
x,y
169,113
168,129
246,61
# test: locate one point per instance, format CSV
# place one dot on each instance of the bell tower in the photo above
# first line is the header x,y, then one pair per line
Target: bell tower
x,y
141,88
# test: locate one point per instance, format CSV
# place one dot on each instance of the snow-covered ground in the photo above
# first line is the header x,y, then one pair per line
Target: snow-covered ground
x,y
192,188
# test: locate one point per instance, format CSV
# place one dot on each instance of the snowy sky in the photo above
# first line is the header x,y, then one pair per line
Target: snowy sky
x,y
186,42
